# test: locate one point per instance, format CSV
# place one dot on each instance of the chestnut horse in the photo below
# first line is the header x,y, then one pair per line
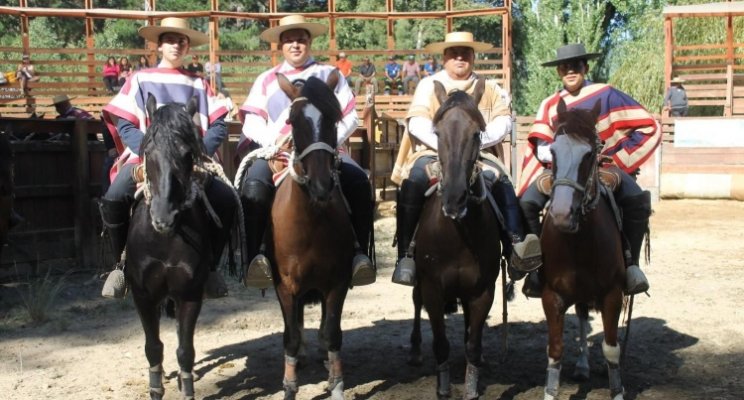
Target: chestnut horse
x,y
582,248
172,240
312,237
457,241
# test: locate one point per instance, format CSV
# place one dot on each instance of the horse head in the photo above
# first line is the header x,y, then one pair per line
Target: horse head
x,y
575,177
458,125
171,148
314,113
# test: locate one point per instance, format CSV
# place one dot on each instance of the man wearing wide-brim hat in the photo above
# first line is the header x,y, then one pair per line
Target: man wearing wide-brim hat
x,y
65,108
676,98
126,119
265,116
458,50
630,135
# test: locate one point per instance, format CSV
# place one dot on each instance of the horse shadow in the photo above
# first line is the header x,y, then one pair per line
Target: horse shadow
x,y
517,373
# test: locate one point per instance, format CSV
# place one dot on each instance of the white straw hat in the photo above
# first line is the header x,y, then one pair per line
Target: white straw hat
x,y
290,22
457,39
175,25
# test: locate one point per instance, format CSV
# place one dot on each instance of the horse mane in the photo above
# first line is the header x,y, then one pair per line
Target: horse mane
x,y
462,100
321,96
169,121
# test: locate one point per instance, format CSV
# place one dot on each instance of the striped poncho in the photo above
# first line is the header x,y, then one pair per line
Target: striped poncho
x,y
169,85
630,133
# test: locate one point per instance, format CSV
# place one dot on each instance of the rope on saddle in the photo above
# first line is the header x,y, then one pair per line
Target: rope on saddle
x,y
266,153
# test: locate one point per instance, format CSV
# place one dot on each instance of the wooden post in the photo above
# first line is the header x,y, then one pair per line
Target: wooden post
x,y
448,8
332,47
668,52
90,45
728,108
84,251
390,7
273,23
214,43
506,49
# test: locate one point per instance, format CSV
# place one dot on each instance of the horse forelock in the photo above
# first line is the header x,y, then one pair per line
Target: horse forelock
x,y
579,124
322,97
460,99
170,128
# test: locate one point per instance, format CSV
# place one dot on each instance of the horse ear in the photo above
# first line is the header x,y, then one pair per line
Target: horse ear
x,y
440,92
480,88
333,79
191,106
287,87
151,105
597,109
561,108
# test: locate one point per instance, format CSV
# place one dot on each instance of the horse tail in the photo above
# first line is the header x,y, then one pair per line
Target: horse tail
x,y
311,297
647,247
170,308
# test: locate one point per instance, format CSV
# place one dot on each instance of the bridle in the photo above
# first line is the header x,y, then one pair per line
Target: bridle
x,y
589,190
295,159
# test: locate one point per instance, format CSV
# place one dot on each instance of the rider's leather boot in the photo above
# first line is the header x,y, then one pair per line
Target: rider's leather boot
x,y
522,251
636,212
256,201
223,202
115,216
408,209
531,212
363,270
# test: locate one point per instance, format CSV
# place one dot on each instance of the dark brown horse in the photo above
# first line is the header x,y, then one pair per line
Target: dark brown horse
x,y
582,248
313,244
457,241
6,188
172,243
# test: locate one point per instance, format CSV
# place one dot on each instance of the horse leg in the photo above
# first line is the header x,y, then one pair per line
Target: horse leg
x,y
476,312
187,313
441,346
414,357
334,304
610,347
149,313
581,371
554,309
292,312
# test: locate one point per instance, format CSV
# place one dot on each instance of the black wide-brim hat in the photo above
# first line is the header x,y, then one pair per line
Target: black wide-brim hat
x,y
568,52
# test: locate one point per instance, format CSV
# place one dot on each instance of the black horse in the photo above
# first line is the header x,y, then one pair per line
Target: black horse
x,y
6,188
458,247
172,241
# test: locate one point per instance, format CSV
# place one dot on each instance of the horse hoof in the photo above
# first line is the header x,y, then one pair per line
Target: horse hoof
x,y
415,360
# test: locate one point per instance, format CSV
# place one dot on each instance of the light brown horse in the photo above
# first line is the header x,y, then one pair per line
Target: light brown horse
x,y
582,248
457,240
313,243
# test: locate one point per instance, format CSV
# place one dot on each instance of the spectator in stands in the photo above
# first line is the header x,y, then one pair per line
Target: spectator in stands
x,y
127,121
265,116
431,67
65,109
411,74
366,76
125,69
392,76
217,70
26,73
195,67
142,63
111,74
344,65
676,99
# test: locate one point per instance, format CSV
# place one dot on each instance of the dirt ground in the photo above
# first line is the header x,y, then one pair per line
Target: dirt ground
x,y
686,340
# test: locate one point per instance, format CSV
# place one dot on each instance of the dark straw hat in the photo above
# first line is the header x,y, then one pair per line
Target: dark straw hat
x,y
570,52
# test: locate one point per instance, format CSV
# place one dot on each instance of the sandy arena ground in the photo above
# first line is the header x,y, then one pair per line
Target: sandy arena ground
x,y
686,340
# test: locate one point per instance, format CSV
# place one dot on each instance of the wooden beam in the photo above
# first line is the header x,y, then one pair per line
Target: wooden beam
x,y
390,7
668,51
506,53
214,42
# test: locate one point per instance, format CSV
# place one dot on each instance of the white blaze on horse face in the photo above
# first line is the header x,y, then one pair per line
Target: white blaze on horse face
x,y
315,117
567,155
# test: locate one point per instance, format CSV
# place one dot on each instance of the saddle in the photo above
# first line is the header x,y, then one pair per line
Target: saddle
x,y
609,177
